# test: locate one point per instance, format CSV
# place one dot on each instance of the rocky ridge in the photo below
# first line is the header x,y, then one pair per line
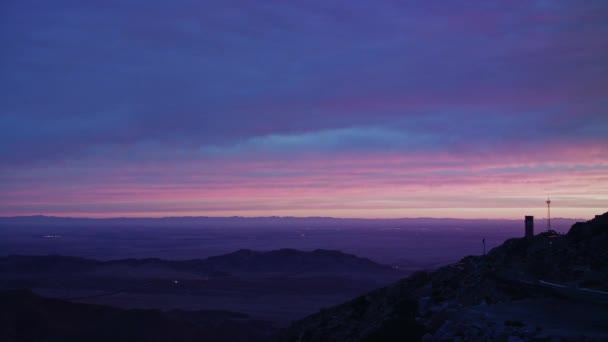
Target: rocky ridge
x,y
511,293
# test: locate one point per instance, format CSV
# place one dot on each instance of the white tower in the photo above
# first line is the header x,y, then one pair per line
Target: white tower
x,y
548,214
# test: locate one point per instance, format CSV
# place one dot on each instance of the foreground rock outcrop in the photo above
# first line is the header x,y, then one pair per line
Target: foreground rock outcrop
x,y
548,287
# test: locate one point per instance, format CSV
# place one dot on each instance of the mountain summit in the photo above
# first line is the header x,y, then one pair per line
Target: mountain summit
x,y
547,286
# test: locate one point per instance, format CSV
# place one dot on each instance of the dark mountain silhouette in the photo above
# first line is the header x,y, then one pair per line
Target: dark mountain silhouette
x,y
25,317
244,261
530,288
293,261
254,282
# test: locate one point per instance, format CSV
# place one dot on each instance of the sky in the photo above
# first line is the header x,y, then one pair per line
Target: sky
x,y
339,108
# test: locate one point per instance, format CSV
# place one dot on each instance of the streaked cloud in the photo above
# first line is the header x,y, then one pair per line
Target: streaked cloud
x,y
302,107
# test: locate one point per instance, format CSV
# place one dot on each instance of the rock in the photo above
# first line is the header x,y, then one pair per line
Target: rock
x,y
452,302
424,305
446,330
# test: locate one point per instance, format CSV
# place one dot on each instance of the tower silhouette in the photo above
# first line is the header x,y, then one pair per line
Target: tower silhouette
x,y
548,214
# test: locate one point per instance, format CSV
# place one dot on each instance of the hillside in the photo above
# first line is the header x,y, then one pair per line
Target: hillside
x,y
241,262
25,317
513,291
292,261
280,285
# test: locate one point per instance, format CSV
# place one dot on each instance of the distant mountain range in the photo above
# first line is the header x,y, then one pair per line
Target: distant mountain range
x,y
279,284
237,221
286,262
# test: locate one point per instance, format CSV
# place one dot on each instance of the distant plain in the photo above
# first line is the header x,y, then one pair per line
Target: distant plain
x,y
404,246
406,243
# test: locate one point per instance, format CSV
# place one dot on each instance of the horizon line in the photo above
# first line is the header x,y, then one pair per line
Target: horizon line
x,y
283,217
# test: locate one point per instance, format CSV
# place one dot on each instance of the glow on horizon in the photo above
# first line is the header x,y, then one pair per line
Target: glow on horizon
x,y
338,188
451,213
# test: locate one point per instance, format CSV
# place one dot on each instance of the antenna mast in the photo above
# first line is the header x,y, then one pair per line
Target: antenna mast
x,y
548,214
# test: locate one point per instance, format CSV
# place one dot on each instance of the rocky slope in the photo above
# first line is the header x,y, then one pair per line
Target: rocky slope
x,y
547,287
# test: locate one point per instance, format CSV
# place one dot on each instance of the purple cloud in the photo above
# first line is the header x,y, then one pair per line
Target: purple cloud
x,y
150,82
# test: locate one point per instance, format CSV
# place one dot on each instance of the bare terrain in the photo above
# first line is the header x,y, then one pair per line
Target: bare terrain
x,y
550,287
412,244
295,279
277,285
